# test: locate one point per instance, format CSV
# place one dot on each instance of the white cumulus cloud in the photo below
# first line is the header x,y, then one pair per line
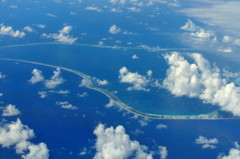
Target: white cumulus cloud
x,y
115,143
189,26
66,105
138,81
39,151
55,80
17,135
37,76
42,94
11,110
199,34
234,153
8,30
84,83
100,82
206,143
66,29
114,29
63,36
28,28
201,80
163,152
111,103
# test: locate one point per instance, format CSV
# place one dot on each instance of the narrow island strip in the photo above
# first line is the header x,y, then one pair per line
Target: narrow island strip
x,y
209,116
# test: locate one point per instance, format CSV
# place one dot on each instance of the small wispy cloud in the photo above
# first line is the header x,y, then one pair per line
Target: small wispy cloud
x,y
51,15
93,9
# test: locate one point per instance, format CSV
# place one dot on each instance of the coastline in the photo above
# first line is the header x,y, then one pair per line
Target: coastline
x,y
118,102
98,46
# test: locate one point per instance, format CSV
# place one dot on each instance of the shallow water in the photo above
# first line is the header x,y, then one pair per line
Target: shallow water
x,y
105,63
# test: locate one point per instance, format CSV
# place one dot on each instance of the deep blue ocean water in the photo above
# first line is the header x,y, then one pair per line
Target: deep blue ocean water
x,y
67,132
105,63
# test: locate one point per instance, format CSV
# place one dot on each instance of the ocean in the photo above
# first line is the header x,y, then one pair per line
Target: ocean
x,y
68,132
